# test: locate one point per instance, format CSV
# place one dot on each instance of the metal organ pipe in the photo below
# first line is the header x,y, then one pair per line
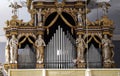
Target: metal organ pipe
x,y
60,49
47,56
50,53
63,49
58,46
57,49
54,54
52,48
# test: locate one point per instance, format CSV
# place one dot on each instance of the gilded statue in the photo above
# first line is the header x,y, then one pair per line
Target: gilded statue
x,y
81,45
106,49
39,43
13,49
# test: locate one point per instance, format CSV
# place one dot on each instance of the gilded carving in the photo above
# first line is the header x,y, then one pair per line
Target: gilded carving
x,y
97,22
106,21
14,21
32,12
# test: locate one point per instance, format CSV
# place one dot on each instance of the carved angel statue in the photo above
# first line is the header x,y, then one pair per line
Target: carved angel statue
x,y
14,7
39,43
81,45
106,49
13,49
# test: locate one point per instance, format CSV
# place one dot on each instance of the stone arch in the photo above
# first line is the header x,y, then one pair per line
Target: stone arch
x,y
26,51
24,37
53,14
50,18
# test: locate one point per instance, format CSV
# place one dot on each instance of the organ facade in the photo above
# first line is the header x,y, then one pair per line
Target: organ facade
x,y
66,36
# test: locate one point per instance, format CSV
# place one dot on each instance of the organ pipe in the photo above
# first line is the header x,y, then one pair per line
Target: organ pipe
x,y
60,50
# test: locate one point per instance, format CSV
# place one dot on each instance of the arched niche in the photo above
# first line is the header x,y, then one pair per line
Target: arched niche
x,y
93,53
55,53
26,52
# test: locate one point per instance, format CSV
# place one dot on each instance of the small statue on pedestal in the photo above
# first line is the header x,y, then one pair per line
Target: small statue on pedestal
x,y
13,49
81,45
106,49
39,43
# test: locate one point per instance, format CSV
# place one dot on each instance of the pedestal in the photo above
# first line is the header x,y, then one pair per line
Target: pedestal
x,y
39,66
10,66
13,66
109,65
81,65
6,67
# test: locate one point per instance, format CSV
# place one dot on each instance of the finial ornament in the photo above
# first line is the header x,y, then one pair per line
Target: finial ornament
x,y
14,7
105,6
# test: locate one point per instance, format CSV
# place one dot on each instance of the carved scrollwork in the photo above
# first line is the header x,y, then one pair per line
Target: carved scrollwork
x,y
26,35
106,21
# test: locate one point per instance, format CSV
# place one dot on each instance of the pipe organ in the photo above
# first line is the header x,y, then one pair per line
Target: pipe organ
x,y
60,51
